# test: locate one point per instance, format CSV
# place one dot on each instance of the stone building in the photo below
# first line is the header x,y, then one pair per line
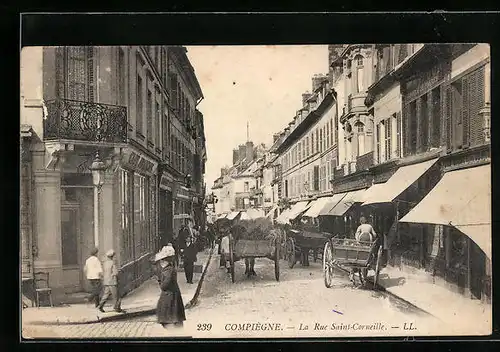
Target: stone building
x,y
120,111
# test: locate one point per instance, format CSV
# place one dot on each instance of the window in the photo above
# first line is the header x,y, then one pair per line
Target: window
x,y
126,217
121,78
333,132
412,119
424,123
157,123
321,140
299,148
436,117
246,187
388,134
77,77
173,90
307,147
316,178
139,106
360,138
329,135
141,222
360,86
317,140
149,115
312,143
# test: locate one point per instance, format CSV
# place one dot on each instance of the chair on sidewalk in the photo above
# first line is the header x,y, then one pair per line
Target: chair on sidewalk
x,y
42,287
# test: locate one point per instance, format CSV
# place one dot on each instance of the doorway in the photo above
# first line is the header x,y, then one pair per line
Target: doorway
x,y
71,248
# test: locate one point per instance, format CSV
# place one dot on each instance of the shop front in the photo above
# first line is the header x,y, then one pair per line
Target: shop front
x,y
458,209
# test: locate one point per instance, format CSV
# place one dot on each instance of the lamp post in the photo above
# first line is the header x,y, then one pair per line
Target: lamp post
x,y
98,167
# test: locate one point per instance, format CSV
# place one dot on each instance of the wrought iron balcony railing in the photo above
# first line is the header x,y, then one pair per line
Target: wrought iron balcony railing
x,y
85,121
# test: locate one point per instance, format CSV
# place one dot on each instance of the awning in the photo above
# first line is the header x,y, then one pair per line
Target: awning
x,y
399,182
255,213
283,217
297,209
232,215
222,216
347,202
333,200
270,213
244,216
462,198
316,207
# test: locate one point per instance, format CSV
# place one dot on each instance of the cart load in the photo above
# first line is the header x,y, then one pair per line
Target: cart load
x,y
254,238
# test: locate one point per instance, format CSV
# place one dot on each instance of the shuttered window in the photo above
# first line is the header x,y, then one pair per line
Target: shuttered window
x,y
424,123
316,178
412,125
448,119
149,115
317,141
121,79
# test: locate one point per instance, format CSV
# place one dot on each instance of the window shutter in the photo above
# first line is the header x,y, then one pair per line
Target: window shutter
x,y
90,74
316,178
405,131
399,152
465,105
389,134
476,103
60,72
448,117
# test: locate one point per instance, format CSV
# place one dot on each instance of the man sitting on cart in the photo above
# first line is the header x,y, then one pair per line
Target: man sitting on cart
x,y
364,233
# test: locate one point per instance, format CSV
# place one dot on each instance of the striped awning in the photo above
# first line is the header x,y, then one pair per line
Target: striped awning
x,y
316,207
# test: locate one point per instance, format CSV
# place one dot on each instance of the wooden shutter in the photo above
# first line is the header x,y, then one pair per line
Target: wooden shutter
x,y
316,178
399,144
388,127
448,118
476,96
60,91
91,84
405,132
465,104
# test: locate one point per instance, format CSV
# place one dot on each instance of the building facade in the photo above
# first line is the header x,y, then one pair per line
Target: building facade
x,y
117,104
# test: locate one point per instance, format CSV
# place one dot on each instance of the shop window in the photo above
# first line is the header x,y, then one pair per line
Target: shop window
x,y
126,209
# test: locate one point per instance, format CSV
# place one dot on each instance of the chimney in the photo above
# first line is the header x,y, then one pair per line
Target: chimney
x,y
317,81
235,156
305,97
242,152
250,154
276,136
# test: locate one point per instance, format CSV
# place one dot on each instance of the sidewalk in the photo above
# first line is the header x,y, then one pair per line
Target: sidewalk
x,y
141,301
442,303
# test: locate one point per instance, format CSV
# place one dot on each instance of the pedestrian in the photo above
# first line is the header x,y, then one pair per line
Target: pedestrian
x,y
170,308
189,258
224,249
93,272
110,283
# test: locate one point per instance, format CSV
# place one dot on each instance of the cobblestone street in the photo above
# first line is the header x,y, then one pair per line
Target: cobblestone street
x,y
300,299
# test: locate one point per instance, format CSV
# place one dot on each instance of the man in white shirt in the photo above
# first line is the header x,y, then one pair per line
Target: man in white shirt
x,y
93,272
224,248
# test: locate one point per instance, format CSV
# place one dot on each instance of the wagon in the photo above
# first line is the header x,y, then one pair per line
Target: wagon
x,y
352,255
300,242
247,249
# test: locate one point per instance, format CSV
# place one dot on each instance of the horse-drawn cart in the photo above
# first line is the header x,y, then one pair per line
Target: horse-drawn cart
x,y
251,249
300,242
354,256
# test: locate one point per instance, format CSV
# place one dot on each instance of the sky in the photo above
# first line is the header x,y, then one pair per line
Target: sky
x,y
261,85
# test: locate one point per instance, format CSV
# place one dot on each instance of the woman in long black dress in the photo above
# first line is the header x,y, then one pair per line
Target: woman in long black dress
x,y
170,308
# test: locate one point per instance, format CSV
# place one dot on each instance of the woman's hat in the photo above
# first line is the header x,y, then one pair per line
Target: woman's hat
x,y
166,251
110,253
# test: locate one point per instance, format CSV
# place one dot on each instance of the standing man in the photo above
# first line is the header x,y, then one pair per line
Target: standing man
x,y
189,258
93,272
110,282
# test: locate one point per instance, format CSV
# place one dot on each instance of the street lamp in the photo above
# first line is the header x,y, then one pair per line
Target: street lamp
x,y
98,168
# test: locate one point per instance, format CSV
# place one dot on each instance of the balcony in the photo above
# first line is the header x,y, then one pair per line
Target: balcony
x,y
365,161
85,121
355,105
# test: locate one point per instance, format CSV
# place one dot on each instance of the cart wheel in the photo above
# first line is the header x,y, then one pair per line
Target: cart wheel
x,y
377,267
231,262
277,263
328,264
290,252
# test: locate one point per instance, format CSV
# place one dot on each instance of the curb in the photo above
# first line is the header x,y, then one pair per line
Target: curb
x,y
134,314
